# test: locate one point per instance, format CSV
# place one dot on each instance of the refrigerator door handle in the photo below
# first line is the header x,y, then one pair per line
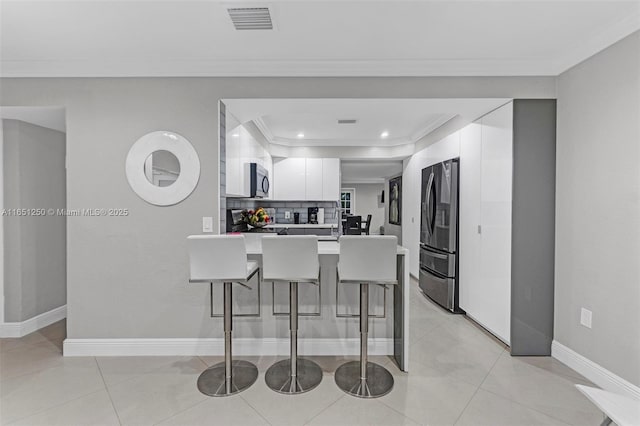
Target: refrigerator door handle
x,y
432,215
434,273
427,210
424,221
435,254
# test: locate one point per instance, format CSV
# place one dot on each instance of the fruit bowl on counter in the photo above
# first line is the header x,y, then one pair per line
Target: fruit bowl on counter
x,y
257,218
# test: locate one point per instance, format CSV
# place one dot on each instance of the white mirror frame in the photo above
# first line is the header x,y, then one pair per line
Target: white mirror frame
x,y
189,168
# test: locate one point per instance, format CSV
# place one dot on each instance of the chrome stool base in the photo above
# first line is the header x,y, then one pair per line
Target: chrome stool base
x,y
379,380
212,380
279,379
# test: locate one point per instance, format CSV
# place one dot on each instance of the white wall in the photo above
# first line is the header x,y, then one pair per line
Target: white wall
x,y
368,202
598,208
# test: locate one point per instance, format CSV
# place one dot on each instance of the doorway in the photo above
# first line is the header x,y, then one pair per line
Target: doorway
x,y
33,235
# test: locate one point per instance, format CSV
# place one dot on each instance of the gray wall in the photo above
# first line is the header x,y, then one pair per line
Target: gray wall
x,y
598,208
127,276
34,246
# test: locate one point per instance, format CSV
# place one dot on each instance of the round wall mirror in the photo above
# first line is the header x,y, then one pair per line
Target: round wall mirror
x,y
162,168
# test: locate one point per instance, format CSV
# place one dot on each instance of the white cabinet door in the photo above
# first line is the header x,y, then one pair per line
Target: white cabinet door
x,y
331,179
289,175
313,179
486,148
470,220
246,157
232,161
496,185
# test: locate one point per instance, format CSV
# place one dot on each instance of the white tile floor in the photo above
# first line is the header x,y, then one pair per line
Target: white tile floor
x,y
459,375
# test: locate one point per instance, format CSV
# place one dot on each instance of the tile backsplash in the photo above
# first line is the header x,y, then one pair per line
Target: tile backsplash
x,y
282,206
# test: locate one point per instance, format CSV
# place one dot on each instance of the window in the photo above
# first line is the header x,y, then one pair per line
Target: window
x,y
348,200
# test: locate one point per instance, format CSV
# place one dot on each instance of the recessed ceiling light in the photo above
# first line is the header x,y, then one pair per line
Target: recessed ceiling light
x,y
384,134
236,135
300,135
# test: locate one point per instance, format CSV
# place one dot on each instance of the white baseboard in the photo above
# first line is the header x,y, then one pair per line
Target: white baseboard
x,y
215,346
594,372
19,329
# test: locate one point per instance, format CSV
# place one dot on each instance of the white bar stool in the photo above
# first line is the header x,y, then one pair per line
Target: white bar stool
x,y
292,259
223,259
366,260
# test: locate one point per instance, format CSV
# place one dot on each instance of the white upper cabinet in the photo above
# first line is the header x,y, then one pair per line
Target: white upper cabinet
x,y
289,179
306,179
234,177
314,179
330,179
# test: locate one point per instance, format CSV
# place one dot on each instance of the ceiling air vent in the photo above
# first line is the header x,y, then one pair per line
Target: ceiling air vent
x,y
350,121
251,18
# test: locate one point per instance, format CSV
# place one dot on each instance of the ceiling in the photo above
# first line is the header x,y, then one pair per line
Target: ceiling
x,y
49,117
329,37
405,121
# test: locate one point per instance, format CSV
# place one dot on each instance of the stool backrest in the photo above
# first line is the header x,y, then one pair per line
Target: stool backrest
x,y
217,257
368,258
290,257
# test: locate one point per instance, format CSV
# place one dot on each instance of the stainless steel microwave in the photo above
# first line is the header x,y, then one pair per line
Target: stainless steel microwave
x,y
258,181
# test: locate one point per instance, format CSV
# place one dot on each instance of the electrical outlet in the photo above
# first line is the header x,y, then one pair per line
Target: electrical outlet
x,y
207,224
287,214
585,317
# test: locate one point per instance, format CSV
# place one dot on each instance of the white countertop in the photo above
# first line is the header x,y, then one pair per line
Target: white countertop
x,y
302,225
622,409
254,246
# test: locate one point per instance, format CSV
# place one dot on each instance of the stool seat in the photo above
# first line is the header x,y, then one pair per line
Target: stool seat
x,y
251,269
223,259
366,260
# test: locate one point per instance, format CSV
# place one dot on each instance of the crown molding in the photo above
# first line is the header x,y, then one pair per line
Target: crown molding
x,y
363,181
430,127
340,142
300,68
264,129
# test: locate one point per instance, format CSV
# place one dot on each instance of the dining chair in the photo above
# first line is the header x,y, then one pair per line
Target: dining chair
x,y
367,225
353,225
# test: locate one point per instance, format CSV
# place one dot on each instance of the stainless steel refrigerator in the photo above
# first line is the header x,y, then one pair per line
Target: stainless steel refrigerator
x,y
439,233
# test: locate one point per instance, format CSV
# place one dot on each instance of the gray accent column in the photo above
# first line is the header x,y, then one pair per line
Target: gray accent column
x,y
533,222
